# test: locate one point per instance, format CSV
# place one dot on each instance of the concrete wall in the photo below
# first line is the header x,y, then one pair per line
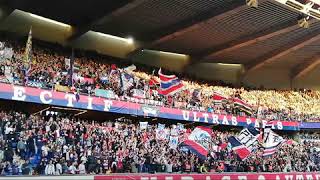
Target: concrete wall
x,y
19,22
170,61
269,78
217,71
104,44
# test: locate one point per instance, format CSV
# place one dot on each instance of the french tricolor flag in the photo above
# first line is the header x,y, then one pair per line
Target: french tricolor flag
x,y
169,84
198,141
242,151
246,142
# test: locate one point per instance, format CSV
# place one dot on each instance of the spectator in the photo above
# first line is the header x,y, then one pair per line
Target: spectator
x,y
50,169
82,168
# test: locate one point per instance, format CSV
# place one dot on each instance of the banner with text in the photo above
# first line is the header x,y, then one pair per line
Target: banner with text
x,y
215,176
35,95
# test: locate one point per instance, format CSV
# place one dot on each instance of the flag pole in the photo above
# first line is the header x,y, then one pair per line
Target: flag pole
x,y
71,68
148,90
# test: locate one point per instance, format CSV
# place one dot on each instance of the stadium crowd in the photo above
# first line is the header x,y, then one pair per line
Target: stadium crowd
x,y
94,72
63,144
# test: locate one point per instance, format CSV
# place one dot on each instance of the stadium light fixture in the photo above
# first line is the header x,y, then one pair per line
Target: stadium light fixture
x,y
227,64
127,40
252,3
130,40
303,21
50,20
173,54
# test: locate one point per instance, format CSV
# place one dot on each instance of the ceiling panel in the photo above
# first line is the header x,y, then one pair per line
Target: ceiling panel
x,y
218,32
154,15
68,11
248,53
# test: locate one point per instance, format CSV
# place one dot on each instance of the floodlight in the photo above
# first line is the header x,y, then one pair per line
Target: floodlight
x,y
49,20
130,40
252,3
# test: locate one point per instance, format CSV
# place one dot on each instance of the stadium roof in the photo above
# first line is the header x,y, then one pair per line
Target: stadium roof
x,y
264,45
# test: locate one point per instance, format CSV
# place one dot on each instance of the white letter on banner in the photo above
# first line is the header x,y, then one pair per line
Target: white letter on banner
x,y
18,93
153,178
299,177
186,178
89,103
185,115
256,124
107,105
242,177
215,119
225,120
70,98
43,99
264,122
195,117
279,124
205,115
261,177
278,177
234,121
317,176
208,178
226,178
309,177
289,177
248,121
168,178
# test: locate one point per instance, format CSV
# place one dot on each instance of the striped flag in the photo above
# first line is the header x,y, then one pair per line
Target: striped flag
x,y
169,84
246,142
271,140
218,98
198,141
242,105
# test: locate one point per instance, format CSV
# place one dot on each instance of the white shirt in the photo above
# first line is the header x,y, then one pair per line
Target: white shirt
x,y
45,150
49,169
8,130
82,169
72,169
58,169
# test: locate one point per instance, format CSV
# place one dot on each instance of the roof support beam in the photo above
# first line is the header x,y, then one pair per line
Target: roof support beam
x,y
305,67
191,24
79,31
273,56
251,39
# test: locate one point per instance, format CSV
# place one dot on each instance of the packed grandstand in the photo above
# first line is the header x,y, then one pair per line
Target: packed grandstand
x,y
68,112
52,144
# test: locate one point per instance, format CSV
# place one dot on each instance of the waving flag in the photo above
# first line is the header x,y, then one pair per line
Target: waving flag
x,y
153,82
28,51
246,142
240,104
126,81
169,84
198,141
196,94
218,98
271,141
130,69
28,56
